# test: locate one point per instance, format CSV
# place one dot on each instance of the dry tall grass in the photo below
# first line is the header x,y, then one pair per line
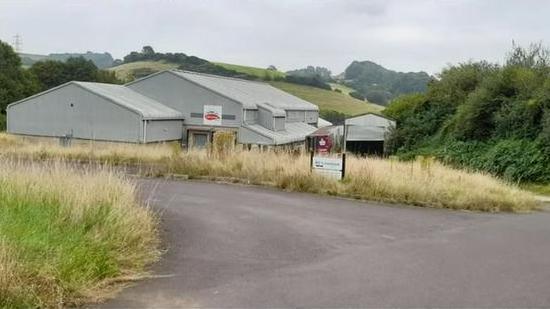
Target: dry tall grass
x,y
422,183
66,233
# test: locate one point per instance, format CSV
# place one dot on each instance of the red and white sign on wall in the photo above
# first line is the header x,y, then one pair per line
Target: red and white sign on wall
x,y
212,115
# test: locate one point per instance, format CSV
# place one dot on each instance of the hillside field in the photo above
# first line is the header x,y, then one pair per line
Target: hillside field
x,y
258,72
329,100
126,71
345,89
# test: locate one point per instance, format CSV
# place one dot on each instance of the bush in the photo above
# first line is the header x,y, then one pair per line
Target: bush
x,y
378,97
308,81
484,116
357,95
515,160
2,122
336,118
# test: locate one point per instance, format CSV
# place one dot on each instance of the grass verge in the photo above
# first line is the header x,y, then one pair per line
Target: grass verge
x,y
67,235
541,189
422,182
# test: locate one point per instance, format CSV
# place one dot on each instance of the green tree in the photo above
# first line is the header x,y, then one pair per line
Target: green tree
x,y
50,73
54,73
15,82
80,69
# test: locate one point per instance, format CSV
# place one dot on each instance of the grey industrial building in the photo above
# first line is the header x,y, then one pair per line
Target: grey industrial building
x,y
94,111
364,134
169,105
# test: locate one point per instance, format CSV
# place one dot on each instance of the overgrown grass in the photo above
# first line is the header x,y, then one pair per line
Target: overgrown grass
x,y
68,234
423,182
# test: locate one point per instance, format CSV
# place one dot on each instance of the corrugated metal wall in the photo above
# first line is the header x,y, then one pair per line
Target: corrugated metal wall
x,y
188,98
164,130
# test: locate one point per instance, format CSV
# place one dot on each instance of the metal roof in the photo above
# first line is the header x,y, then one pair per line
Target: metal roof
x,y
248,93
126,97
323,123
294,132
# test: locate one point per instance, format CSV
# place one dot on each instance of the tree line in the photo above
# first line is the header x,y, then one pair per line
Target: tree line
x,y
483,116
17,82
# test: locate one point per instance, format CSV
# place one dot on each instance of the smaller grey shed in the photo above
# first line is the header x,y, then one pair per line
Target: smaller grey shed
x,y
95,111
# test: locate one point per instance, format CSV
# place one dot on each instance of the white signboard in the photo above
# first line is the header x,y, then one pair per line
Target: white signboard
x,y
331,167
212,115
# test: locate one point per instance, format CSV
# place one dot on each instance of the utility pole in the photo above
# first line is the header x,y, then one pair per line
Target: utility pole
x,y
17,43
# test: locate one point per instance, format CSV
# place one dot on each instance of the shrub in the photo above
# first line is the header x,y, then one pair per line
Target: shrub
x,y
482,116
2,122
357,95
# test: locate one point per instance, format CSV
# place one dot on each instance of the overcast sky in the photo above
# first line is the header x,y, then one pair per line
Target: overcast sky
x,y
400,35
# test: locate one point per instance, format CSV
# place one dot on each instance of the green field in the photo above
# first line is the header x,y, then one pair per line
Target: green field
x,y
329,100
258,72
127,71
343,88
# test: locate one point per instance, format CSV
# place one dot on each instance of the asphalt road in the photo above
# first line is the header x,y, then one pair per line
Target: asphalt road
x,y
237,246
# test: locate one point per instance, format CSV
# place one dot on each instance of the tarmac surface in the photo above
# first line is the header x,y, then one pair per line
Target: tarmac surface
x,y
232,246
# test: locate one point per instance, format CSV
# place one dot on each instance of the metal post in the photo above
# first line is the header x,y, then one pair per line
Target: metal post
x,y
345,148
311,161
343,165
345,137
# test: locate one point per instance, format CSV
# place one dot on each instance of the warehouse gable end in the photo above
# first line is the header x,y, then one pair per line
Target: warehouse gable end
x,y
93,111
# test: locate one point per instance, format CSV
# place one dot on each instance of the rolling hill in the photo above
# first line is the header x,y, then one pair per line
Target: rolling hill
x,y
101,60
381,85
326,100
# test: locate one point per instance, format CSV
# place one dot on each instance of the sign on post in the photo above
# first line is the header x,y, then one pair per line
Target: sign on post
x,y
330,167
212,115
324,144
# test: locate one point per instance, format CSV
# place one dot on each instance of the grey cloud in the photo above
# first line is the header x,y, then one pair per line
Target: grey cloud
x,y
402,35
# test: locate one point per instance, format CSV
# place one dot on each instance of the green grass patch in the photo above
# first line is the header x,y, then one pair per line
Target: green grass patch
x,y
66,234
542,189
